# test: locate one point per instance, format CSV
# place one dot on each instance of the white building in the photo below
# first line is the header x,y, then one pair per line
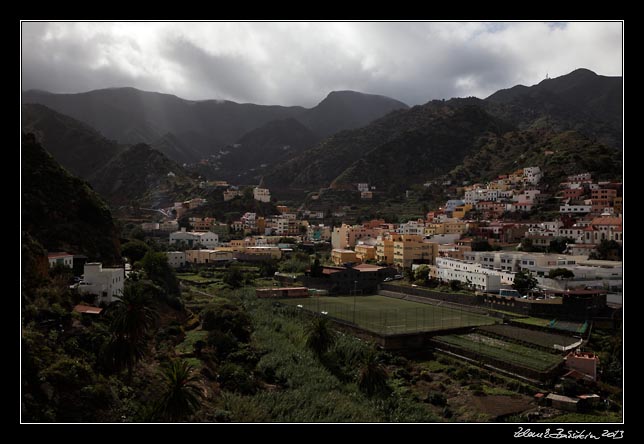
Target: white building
x,y
262,194
169,226
446,263
575,209
582,177
363,186
478,281
532,175
150,226
442,239
61,258
526,196
176,259
192,238
412,227
106,283
231,194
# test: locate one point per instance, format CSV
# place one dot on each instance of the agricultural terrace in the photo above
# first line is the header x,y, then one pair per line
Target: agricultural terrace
x,y
543,339
504,351
386,315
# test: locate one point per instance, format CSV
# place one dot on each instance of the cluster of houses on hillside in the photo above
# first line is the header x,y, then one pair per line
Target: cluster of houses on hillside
x,y
443,240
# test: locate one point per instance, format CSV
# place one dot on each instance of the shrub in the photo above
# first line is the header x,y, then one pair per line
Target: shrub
x,y
227,318
437,399
223,343
234,378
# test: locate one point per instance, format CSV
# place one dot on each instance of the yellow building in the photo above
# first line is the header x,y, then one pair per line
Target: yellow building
x,y
411,249
208,256
341,256
460,211
447,227
385,250
273,252
365,252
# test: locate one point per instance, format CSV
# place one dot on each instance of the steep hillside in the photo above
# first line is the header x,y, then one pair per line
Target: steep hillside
x,y
394,151
557,154
61,211
142,176
75,145
176,149
582,101
263,148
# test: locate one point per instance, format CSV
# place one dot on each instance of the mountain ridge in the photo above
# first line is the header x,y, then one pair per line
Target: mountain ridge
x,y
131,116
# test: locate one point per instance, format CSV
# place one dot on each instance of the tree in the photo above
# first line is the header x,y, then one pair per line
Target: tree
x,y
524,282
227,318
267,268
607,250
233,277
181,394
481,245
316,268
561,273
131,318
526,244
160,272
319,337
134,250
559,244
372,376
455,285
137,233
409,274
422,273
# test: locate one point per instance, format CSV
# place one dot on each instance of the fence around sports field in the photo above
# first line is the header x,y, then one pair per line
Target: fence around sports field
x,y
392,316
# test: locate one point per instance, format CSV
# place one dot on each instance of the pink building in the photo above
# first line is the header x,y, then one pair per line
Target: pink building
x,y
583,362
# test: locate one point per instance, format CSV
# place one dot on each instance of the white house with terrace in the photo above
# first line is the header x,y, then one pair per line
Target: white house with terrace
x,y
106,283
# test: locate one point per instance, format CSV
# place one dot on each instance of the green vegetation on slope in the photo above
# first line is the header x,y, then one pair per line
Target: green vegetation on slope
x,y
61,211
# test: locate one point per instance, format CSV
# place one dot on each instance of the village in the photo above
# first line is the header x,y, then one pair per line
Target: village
x,y
476,266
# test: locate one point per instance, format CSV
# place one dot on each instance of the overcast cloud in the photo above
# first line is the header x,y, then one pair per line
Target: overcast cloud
x,y
300,63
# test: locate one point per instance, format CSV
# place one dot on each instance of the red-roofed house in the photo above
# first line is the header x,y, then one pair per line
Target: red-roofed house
x,y
87,309
603,228
61,258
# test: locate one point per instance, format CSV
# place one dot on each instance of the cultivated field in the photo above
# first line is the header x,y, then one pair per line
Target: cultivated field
x,y
385,315
504,351
543,339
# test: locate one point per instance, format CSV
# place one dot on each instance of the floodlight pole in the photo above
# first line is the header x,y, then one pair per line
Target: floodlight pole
x,y
355,291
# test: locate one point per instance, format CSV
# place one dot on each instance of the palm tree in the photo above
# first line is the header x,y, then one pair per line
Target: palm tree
x,y
132,315
372,377
319,337
131,320
181,394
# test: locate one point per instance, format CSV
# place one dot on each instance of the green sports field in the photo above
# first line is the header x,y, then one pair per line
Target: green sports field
x,y
386,315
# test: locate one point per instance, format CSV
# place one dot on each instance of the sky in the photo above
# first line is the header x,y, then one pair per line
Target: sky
x,y
299,63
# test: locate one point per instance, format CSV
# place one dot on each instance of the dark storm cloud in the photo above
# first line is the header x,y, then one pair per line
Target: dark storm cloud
x,y
299,63
219,76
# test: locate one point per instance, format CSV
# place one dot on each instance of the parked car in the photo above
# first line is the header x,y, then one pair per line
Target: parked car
x,y
388,279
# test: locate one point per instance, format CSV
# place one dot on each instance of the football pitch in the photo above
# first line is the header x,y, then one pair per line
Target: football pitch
x,y
387,315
